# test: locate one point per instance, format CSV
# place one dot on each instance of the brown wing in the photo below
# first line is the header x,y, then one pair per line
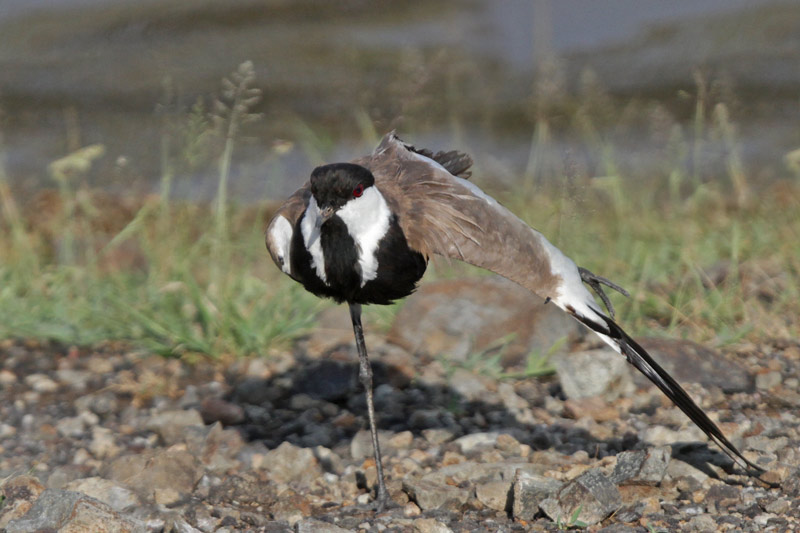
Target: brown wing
x,y
445,215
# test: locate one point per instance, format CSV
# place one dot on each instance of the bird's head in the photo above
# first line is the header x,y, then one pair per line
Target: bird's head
x,y
341,186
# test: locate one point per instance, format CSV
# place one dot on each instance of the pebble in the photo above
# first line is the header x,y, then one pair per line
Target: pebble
x,y
279,455
41,383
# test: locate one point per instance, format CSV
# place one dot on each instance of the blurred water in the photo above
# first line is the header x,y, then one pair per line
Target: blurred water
x,y
74,72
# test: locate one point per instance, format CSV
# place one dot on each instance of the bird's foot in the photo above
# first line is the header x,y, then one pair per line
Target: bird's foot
x,y
595,282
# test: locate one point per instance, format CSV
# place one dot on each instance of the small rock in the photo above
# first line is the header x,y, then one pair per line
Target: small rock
x,y
171,425
768,380
779,507
596,409
218,410
311,525
361,445
75,379
7,377
103,445
642,467
722,496
288,463
116,496
430,495
765,444
99,403
430,525
71,426
59,510
591,492
437,436
401,441
602,373
678,469
529,491
477,441
41,383
495,494
470,386
702,523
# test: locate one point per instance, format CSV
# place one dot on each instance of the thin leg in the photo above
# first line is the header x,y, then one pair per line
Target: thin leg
x,y
365,376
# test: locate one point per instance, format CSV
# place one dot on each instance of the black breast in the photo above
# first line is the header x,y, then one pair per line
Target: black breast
x,y
399,267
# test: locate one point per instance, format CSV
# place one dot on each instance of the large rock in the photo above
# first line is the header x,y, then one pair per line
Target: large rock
x,y
115,496
18,495
642,467
603,373
462,317
689,362
589,498
164,476
72,512
529,491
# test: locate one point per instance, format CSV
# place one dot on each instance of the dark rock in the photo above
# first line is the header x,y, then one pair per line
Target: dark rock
x,y
218,410
328,380
723,496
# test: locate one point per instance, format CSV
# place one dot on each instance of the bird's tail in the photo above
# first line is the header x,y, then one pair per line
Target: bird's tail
x,y
620,341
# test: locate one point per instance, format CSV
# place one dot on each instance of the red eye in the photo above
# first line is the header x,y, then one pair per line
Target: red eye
x,y
358,191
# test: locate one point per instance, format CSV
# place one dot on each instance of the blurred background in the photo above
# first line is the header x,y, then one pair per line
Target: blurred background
x,y
479,75
145,143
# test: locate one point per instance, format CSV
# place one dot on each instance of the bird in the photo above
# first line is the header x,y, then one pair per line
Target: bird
x,y
362,232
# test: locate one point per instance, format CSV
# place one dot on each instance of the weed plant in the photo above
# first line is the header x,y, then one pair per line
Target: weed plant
x,y
706,258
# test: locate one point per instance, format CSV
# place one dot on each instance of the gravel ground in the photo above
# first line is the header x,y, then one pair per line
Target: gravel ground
x,y
109,439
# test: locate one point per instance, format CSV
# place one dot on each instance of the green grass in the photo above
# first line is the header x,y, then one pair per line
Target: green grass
x,y
178,278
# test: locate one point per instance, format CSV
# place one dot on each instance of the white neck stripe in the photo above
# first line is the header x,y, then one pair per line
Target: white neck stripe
x,y
367,219
311,238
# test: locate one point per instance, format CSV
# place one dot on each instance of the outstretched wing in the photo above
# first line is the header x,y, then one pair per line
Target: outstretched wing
x,y
447,215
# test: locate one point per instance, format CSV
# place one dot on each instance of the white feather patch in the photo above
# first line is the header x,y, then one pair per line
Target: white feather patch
x,y
571,292
311,238
367,219
280,234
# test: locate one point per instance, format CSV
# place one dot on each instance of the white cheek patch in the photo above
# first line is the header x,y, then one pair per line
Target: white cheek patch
x,y
367,219
310,230
280,233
